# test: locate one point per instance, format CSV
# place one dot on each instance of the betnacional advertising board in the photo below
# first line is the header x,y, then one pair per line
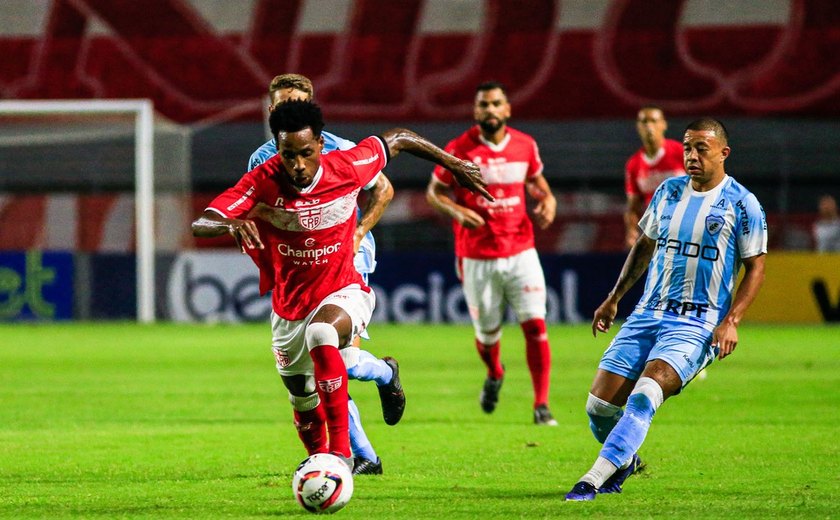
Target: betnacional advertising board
x,y
36,285
223,286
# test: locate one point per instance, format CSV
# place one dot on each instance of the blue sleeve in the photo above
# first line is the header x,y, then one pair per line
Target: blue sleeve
x,y
262,154
333,142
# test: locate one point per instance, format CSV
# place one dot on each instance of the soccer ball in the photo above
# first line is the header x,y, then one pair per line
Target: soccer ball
x,y
322,483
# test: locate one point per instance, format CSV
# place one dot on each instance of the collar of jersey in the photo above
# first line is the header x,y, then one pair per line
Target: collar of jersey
x,y
315,180
493,146
712,192
655,159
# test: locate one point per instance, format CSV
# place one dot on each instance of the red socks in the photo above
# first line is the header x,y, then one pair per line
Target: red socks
x,y
538,355
312,430
331,383
490,355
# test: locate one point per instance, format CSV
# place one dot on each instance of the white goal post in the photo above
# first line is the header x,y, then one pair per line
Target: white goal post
x,y
143,112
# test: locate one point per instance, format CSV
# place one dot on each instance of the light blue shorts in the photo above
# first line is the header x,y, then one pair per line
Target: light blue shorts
x,y
685,346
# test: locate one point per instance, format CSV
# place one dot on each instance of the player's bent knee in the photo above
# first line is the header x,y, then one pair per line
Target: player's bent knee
x,y
304,403
299,384
319,333
650,388
488,338
645,399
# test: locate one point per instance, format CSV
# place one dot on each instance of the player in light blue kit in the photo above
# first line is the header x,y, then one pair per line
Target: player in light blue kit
x,y
696,233
361,364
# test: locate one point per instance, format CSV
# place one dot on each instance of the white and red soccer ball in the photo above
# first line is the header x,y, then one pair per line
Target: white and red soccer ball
x,y
322,483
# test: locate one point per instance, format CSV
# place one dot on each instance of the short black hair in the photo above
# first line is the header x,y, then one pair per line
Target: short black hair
x,y
294,116
491,85
709,124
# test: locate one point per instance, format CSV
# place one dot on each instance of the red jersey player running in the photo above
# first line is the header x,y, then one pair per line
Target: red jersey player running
x,y
494,241
301,206
658,159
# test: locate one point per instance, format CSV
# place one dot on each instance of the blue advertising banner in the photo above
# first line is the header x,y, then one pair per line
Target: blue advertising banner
x,y
36,285
113,291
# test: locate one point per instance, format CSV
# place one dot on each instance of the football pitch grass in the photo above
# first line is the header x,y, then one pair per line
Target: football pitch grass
x,y
185,421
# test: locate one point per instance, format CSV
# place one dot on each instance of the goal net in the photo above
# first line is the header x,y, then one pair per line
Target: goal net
x,y
92,193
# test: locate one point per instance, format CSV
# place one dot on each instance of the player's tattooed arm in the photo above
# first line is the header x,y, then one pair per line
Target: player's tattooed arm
x,y
211,224
466,173
379,196
634,267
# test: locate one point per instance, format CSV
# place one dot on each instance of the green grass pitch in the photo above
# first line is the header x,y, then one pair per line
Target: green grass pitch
x,y
178,421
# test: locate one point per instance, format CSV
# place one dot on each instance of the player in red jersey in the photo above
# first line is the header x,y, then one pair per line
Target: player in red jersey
x,y
494,241
658,159
301,206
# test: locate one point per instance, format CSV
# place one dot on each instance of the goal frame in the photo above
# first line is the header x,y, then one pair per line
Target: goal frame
x,y
143,112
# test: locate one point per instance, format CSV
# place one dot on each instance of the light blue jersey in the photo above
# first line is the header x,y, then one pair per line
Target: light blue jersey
x,y
701,238
365,259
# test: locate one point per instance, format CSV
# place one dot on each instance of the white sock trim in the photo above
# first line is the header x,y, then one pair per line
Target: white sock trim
x,y
651,389
320,333
306,403
488,339
599,407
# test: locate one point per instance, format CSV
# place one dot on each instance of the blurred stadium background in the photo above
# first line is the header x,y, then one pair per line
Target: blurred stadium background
x,y
577,71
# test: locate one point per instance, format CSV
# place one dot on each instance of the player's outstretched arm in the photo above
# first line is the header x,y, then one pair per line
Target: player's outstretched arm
x,y
466,173
725,335
437,197
211,224
634,267
379,196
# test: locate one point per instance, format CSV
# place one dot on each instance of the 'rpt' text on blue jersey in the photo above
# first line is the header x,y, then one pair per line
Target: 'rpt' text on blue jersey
x,y
701,238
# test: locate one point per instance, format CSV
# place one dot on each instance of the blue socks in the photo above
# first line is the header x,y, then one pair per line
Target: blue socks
x,y
370,368
359,442
630,431
602,426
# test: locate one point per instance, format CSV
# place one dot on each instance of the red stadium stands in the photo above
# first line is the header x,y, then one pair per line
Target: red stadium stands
x,y
420,60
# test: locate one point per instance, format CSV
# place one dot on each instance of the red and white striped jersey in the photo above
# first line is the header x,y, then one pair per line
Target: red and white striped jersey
x,y
307,233
505,166
643,174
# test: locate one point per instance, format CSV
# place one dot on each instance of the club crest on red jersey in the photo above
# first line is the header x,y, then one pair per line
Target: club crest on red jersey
x,y
330,385
310,218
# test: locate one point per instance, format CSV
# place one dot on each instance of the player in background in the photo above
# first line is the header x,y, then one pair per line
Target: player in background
x,y
494,241
300,206
696,233
658,159
361,364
